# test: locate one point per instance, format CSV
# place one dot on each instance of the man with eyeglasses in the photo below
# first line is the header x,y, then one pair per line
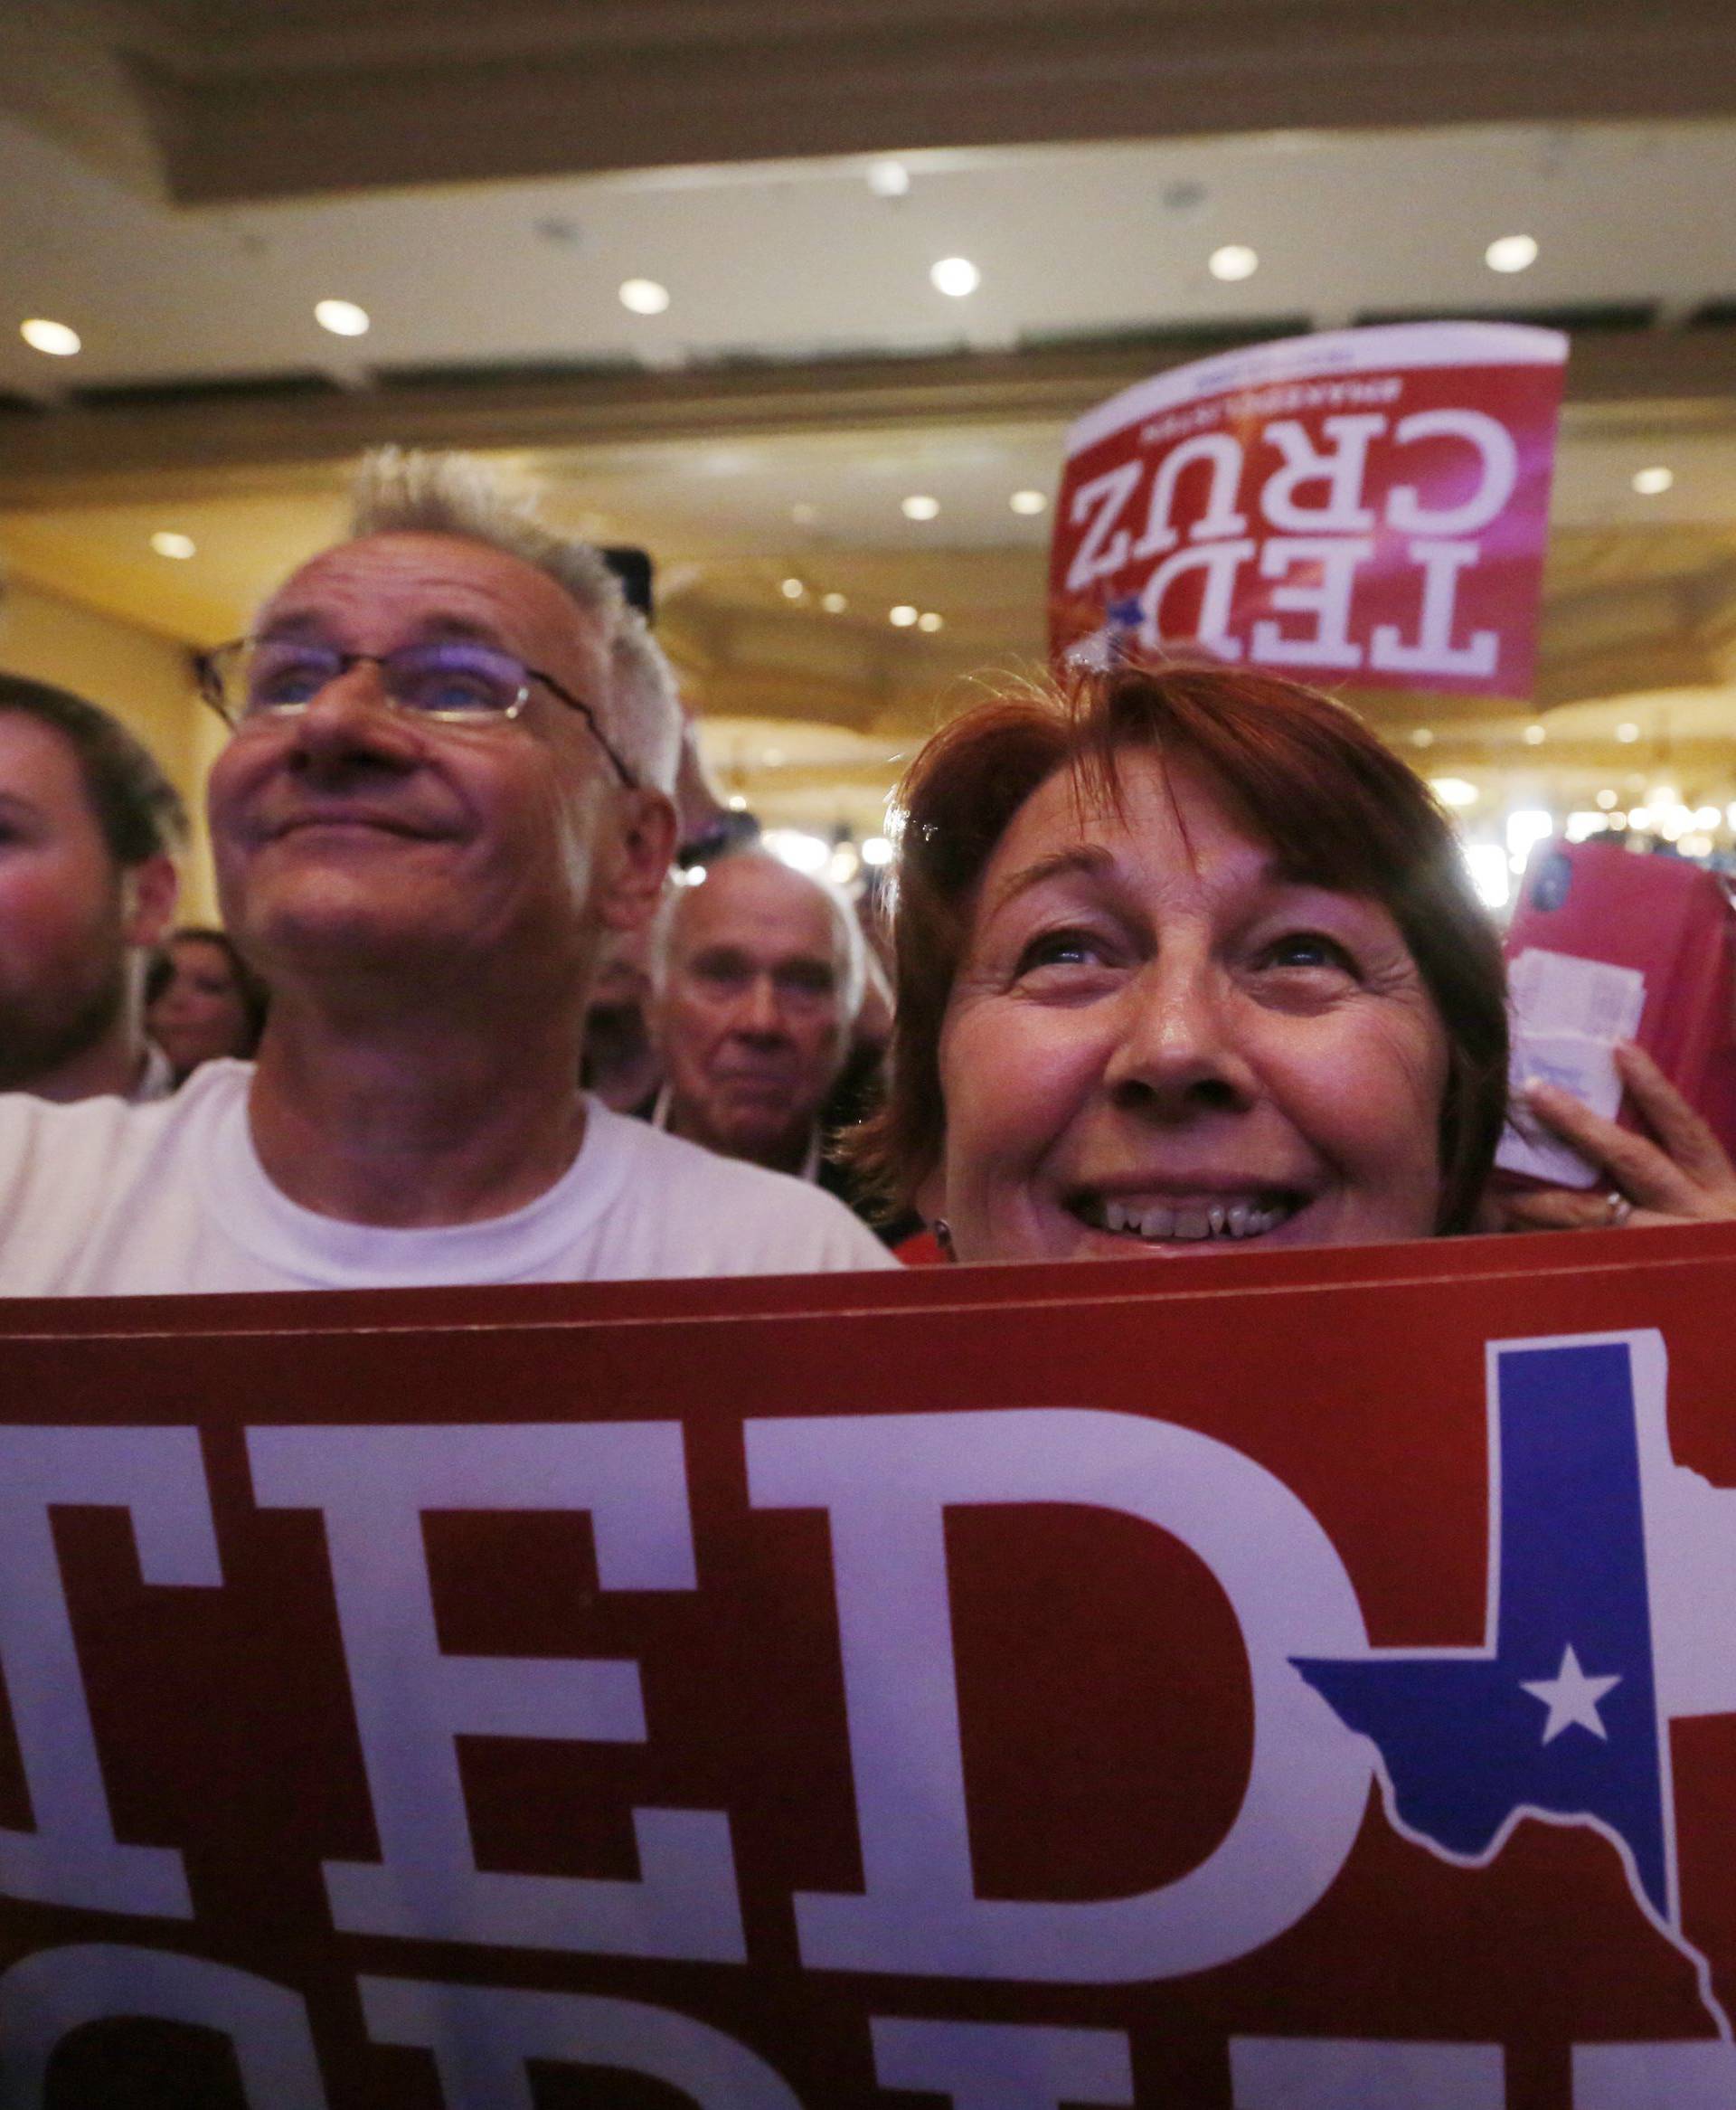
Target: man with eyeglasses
x,y
445,785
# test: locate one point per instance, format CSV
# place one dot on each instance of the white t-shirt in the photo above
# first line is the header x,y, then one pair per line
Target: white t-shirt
x,y
103,1198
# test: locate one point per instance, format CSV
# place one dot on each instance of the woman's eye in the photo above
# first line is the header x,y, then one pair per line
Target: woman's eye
x,y
1060,949
1309,949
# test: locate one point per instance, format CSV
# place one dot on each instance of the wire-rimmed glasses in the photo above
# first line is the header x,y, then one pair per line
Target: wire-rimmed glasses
x,y
454,681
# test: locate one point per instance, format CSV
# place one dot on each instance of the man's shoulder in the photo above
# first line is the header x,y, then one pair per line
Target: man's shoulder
x,y
58,1153
752,1220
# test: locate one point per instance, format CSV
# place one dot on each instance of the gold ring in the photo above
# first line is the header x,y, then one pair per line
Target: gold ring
x,y
1619,1207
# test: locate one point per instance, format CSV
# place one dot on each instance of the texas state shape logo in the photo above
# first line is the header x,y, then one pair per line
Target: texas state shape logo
x,y
1611,1613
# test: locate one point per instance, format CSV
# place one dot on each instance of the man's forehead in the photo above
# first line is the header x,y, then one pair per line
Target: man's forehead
x,y
38,763
414,582
750,901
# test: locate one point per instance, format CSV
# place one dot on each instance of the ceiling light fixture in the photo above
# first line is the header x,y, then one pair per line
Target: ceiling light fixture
x,y
1534,735
793,589
1234,260
1652,483
834,603
167,543
343,318
643,295
1628,734
1422,737
930,620
957,276
1028,502
901,616
888,179
59,340
1453,790
1511,252
920,506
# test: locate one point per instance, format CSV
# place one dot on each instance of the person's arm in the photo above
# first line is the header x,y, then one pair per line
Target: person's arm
x,y
1681,1176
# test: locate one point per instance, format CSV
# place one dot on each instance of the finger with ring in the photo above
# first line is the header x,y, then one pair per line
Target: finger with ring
x,y
1619,1208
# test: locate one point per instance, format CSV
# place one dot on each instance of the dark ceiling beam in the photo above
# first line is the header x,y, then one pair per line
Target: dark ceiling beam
x,y
117,451
528,92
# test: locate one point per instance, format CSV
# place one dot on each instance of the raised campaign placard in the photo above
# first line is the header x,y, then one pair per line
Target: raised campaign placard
x,y
1266,1682
1363,507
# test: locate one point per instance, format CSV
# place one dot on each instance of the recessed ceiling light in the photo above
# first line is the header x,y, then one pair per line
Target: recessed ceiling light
x,y
793,589
1607,800
888,179
901,616
1422,737
1511,252
738,802
1652,483
59,340
957,276
1028,502
643,295
1628,734
1234,260
1534,735
167,543
930,620
1453,790
834,603
920,506
344,318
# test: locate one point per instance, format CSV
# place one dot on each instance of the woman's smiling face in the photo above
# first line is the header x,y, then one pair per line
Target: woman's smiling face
x,y
1160,1041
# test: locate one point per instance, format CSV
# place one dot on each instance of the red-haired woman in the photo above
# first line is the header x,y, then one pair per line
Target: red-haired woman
x,y
1186,961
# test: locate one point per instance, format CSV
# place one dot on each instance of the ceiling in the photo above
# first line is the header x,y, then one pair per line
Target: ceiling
x,y
185,178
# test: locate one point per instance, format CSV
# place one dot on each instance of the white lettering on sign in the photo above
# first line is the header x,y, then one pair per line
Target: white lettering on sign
x,y
72,1855
481,2036
1102,502
1434,651
1327,600
373,1486
1341,468
1699,2074
1223,454
1221,562
1365,2073
886,1482
48,1995
1003,2066
1497,473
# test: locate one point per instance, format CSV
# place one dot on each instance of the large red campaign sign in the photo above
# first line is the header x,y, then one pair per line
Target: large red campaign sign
x,y
1357,507
1303,1679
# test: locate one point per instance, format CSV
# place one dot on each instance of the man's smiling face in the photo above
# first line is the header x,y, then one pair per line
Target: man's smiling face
x,y
354,835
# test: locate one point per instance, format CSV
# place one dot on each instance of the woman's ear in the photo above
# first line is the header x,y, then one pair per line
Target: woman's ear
x,y
931,1197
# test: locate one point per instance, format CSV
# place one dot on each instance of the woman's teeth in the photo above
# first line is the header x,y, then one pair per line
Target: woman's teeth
x,y
1163,1220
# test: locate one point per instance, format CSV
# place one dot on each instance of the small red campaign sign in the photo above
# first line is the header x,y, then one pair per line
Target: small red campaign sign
x,y
1244,1683
1360,508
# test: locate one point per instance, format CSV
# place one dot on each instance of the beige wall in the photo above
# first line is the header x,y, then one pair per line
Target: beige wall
x,y
144,679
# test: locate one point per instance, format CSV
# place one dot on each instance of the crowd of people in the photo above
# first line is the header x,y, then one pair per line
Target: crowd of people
x,y
1183,959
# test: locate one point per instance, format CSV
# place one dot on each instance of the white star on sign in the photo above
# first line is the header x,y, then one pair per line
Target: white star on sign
x,y
1571,1697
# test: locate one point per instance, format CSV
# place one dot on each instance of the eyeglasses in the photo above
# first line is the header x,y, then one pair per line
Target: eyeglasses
x,y
453,682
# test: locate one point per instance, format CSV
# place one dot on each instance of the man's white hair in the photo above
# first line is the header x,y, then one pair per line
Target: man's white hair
x,y
850,947
405,491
